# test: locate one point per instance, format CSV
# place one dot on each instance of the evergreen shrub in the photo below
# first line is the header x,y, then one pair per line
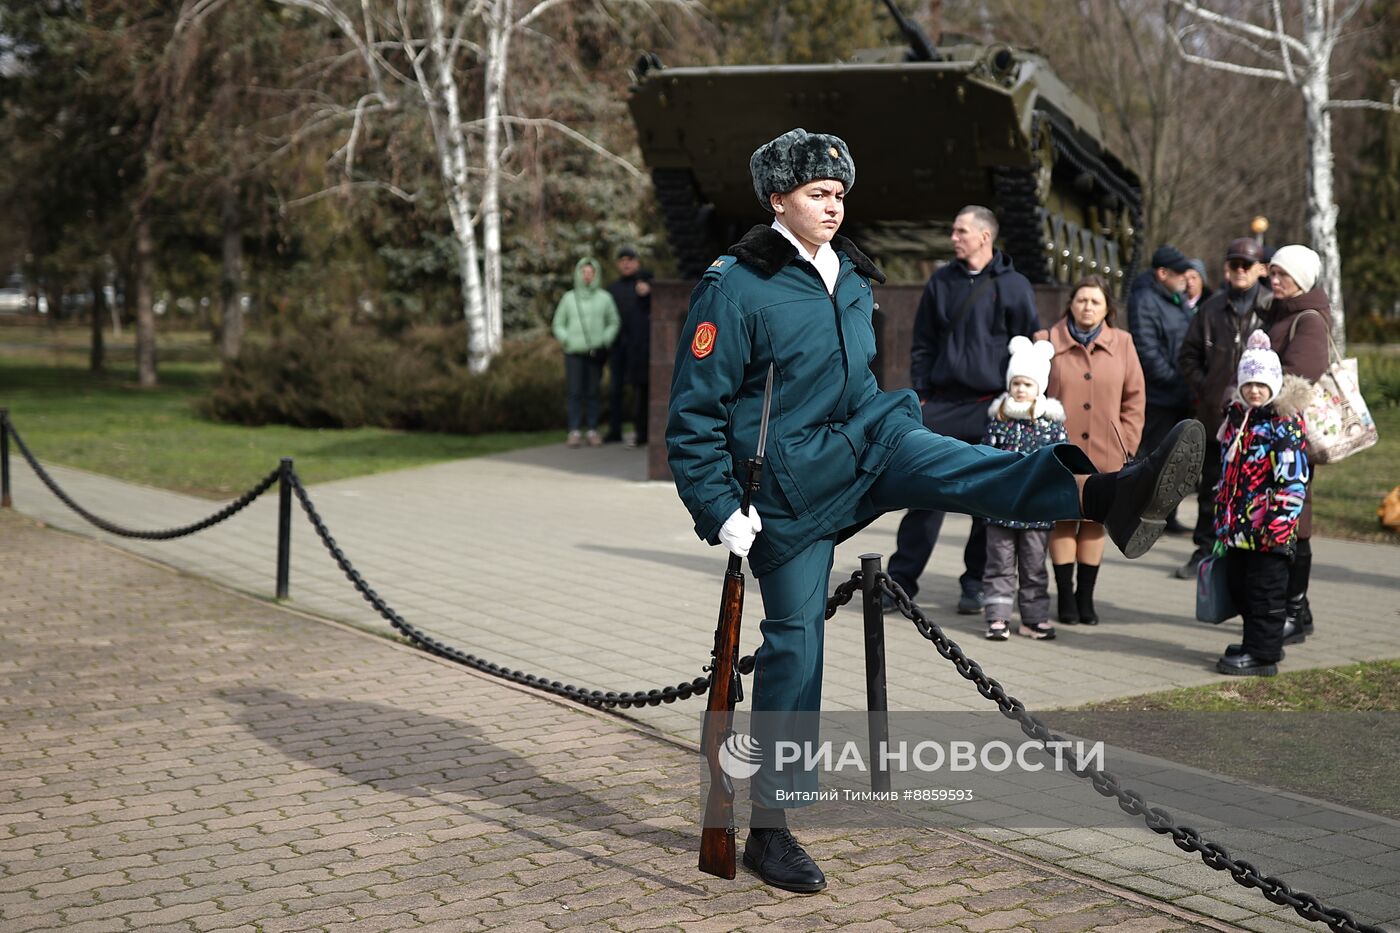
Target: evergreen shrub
x,y
335,374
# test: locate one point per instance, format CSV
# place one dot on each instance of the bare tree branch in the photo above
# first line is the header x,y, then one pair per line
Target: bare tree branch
x,y
1252,72
1283,46
1230,22
539,10
577,137
1391,107
344,186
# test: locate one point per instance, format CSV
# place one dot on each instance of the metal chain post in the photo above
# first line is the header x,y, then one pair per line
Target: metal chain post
x,y
284,527
877,706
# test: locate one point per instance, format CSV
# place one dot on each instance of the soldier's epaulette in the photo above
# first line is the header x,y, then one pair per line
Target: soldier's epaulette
x,y
720,267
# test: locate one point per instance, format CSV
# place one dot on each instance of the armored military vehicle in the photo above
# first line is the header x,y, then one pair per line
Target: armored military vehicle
x,y
932,129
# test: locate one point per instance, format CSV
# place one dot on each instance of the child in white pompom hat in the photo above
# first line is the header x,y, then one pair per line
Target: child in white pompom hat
x,y
1263,483
1022,419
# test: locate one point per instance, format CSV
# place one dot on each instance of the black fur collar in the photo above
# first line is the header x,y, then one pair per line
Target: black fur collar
x,y
767,250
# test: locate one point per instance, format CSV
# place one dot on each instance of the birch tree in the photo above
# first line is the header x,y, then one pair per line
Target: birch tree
x,y
1270,50
452,60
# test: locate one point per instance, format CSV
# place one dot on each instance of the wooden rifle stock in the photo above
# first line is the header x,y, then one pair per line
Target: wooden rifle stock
x,y
717,849
717,855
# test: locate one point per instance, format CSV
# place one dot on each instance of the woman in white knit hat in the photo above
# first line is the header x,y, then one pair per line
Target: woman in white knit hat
x,y
1299,320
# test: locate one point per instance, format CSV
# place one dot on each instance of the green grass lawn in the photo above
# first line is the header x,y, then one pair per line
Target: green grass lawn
x,y
1329,733
106,424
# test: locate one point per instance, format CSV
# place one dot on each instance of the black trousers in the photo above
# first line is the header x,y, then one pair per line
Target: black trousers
x,y
1259,588
914,543
619,362
1204,534
1159,420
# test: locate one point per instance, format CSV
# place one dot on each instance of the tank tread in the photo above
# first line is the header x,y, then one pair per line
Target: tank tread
x,y
687,220
1032,235
1023,222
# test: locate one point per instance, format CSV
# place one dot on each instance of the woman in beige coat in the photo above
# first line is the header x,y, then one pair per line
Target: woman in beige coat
x,y
1096,375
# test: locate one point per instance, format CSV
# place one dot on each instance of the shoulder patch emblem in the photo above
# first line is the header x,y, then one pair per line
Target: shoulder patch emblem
x,y
717,263
703,344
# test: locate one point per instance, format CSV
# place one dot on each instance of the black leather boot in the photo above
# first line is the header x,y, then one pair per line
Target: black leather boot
x,y
1084,594
1134,502
779,860
1064,593
1297,620
1246,665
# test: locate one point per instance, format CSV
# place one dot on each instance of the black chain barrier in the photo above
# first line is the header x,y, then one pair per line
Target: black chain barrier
x,y
168,534
1106,783
605,699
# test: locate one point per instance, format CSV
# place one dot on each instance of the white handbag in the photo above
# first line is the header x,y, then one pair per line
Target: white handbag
x,y
1338,421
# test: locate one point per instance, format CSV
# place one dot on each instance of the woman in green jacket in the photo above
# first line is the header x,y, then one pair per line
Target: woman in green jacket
x,y
840,452
585,323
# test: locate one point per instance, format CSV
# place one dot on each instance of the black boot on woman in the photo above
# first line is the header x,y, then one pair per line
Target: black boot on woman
x,y
1064,592
1084,594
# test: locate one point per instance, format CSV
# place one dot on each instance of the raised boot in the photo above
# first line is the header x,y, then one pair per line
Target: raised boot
x,y
1134,502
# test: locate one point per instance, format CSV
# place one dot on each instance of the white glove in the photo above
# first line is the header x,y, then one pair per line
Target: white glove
x,y
739,530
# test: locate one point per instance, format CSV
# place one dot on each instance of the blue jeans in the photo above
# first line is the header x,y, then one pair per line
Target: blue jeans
x,y
582,375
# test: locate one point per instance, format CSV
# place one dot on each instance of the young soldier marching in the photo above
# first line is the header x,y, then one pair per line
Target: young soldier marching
x,y
840,451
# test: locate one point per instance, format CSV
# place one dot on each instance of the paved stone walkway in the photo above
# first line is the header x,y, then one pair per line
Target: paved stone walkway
x,y
566,564
181,758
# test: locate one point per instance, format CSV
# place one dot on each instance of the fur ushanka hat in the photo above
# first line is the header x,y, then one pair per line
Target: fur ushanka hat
x,y
797,157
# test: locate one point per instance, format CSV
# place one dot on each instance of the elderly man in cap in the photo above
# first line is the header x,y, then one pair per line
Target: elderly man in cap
x,y
1209,357
796,296
1158,318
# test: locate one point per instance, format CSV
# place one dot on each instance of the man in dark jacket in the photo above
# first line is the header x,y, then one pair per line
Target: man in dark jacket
x,y
1210,354
970,310
1158,318
631,351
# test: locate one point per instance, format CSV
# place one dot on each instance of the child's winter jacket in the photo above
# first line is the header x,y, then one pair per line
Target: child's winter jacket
x,y
1024,427
1264,470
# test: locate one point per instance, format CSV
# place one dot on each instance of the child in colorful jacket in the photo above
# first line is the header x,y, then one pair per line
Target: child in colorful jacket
x,y
1022,420
1263,484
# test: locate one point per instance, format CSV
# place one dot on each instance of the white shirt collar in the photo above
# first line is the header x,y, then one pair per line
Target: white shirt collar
x,y
828,264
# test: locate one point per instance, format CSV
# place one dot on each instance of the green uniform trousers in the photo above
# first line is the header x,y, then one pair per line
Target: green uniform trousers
x,y
927,471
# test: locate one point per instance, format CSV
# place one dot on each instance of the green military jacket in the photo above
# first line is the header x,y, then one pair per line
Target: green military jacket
x,y
831,430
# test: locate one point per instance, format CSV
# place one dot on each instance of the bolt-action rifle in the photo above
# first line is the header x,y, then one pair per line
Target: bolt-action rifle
x,y
717,836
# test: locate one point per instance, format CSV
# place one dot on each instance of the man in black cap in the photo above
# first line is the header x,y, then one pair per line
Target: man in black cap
x,y
1158,318
1210,354
631,351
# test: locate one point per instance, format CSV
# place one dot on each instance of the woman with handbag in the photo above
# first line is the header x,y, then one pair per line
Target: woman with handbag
x,y
1300,319
585,324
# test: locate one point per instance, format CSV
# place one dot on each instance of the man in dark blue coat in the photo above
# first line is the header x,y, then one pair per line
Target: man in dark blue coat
x,y
796,297
631,351
969,311
1158,319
